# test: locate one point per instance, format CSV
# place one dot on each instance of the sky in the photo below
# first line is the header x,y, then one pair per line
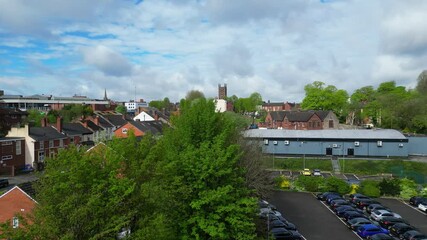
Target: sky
x,y
152,49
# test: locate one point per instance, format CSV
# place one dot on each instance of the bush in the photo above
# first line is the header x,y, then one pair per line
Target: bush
x,y
390,187
283,182
334,184
370,188
408,188
309,183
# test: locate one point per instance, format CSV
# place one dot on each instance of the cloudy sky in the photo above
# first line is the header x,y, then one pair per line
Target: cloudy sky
x,y
152,49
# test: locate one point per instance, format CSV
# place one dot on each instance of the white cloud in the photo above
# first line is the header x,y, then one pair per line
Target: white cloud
x,y
107,61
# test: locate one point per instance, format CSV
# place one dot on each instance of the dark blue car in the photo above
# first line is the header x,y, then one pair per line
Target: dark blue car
x,y
369,230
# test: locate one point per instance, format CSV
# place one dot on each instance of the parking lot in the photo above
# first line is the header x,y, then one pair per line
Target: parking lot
x,y
415,217
315,221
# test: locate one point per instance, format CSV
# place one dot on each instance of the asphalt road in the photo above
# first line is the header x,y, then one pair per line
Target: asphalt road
x,y
313,220
414,217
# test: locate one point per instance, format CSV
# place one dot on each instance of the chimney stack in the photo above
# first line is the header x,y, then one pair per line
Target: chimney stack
x,y
96,120
59,124
44,122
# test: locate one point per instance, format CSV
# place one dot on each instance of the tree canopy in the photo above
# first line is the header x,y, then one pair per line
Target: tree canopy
x,y
195,182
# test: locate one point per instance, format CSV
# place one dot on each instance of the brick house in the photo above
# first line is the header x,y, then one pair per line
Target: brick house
x,y
139,128
12,154
10,117
13,203
40,142
280,106
301,120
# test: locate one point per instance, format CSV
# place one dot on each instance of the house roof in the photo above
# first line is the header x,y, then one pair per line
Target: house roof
x,y
297,116
72,129
322,114
116,120
45,133
13,202
5,139
105,123
273,104
326,134
155,127
277,115
12,111
92,126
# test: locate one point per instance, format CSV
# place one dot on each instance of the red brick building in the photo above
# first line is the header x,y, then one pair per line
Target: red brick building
x,y
13,203
301,120
12,154
280,106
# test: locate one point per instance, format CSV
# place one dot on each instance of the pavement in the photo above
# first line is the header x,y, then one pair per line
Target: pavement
x,y
22,178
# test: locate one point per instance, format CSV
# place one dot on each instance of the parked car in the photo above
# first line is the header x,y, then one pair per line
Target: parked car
x,y
4,182
380,236
369,230
350,215
375,206
276,223
306,172
363,203
322,196
378,214
340,204
399,229
413,235
354,197
337,201
329,198
355,223
423,206
415,200
316,172
282,233
388,222
340,211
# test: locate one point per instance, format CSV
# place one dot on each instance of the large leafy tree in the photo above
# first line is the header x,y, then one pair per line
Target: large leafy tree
x,y
319,97
201,157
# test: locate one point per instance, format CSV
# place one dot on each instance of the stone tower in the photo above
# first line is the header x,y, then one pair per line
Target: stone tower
x,y
222,91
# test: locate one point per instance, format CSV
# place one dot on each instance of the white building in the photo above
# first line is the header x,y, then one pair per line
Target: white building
x,y
220,105
132,105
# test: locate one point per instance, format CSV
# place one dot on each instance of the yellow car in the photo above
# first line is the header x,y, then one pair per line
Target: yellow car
x,y
306,172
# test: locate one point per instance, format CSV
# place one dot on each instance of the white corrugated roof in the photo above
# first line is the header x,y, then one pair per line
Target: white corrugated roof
x,y
326,134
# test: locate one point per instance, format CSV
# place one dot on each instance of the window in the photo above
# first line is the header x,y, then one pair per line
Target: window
x,y
51,144
6,143
6,157
266,141
18,148
41,156
15,222
380,143
61,142
41,145
331,123
124,130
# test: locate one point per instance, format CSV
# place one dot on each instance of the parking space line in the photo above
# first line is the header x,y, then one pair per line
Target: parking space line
x,y
414,208
324,204
356,176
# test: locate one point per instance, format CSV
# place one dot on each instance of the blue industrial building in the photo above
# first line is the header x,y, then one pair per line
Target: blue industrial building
x,y
359,143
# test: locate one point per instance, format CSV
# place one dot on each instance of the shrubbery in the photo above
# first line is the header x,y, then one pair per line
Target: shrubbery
x,y
370,188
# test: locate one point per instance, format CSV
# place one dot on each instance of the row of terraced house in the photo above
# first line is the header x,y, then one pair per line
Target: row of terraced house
x,y
27,147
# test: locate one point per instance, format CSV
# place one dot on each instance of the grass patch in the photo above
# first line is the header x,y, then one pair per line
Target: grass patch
x,y
297,164
372,167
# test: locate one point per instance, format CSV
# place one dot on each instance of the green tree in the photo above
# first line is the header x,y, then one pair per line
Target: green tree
x,y
121,109
390,187
194,94
319,97
408,188
370,188
212,200
35,117
335,184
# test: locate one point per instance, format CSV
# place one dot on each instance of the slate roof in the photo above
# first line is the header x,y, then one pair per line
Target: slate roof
x,y
322,114
326,134
155,127
277,115
104,123
92,126
116,120
297,116
72,129
273,104
45,133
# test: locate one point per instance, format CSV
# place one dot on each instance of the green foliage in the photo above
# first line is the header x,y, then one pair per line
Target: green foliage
x,y
334,184
422,83
370,188
310,183
75,111
319,97
35,116
390,187
194,94
245,105
162,104
121,109
409,188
